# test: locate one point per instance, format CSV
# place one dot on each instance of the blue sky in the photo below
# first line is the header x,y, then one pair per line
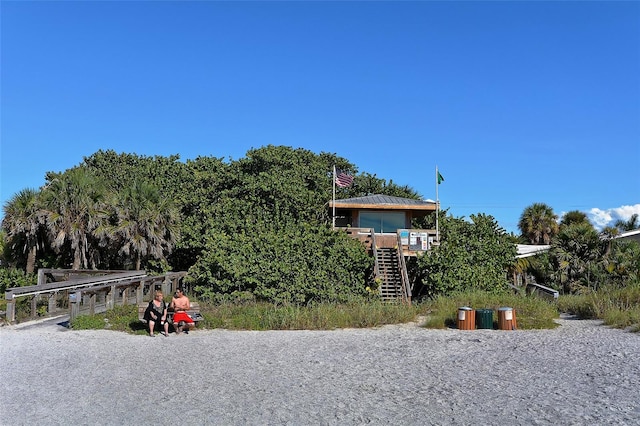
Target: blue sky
x,y
515,102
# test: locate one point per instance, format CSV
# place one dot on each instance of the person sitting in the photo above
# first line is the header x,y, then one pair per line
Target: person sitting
x,y
156,314
181,320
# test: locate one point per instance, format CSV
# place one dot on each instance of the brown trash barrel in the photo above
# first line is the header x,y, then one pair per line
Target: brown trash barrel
x,y
466,318
507,319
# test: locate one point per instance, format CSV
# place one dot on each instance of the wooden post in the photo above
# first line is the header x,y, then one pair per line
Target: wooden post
x,y
10,316
52,308
92,304
34,305
74,304
139,294
109,297
167,286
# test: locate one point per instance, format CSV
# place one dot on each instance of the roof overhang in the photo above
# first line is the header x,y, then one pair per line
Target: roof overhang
x,y
629,235
526,250
384,202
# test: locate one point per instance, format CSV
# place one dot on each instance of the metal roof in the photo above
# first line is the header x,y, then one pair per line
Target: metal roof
x,y
629,235
385,202
526,250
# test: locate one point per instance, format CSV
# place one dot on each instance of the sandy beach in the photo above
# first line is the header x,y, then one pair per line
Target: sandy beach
x,y
580,373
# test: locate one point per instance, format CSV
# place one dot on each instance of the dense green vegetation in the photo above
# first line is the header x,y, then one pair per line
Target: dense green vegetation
x,y
597,275
473,254
617,306
258,230
581,261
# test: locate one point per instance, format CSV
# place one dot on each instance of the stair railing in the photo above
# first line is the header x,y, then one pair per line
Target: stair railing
x,y
374,250
406,289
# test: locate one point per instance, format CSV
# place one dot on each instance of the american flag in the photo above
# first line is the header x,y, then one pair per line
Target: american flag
x,y
343,179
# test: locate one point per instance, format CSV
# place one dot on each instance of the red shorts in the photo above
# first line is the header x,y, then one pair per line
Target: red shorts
x,y
182,316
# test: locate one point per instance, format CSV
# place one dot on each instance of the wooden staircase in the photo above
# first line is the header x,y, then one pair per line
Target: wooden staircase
x,y
390,271
389,274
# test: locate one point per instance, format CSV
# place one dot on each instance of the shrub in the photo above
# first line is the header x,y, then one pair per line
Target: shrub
x,y
13,277
121,318
472,255
617,307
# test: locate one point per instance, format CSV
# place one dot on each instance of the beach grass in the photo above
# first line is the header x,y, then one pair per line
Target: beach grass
x,y
322,316
120,318
532,312
618,307
265,316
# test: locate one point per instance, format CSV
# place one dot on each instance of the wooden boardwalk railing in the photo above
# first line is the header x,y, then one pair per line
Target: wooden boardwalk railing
x,y
88,291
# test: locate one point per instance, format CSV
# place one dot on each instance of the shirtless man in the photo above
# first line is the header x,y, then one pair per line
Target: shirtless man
x,y
180,304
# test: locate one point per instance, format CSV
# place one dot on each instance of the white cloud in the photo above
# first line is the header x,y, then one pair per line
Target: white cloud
x,y
601,218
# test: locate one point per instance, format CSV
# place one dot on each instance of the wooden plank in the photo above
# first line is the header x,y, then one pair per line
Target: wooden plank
x,y
72,284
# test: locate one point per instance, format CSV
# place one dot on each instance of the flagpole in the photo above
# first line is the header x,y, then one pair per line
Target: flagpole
x,y
333,216
437,208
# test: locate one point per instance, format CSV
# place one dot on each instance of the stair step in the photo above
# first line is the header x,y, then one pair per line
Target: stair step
x,y
390,273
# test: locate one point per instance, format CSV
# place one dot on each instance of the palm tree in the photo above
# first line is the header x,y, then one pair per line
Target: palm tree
x,y
23,223
74,207
538,223
574,216
608,234
146,223
520,267
576,249
628,225
621,263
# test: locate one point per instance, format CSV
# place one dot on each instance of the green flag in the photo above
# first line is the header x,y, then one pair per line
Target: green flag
x,y
440,178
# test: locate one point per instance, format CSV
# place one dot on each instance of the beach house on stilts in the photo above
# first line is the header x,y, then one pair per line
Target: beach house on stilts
x,y
384,225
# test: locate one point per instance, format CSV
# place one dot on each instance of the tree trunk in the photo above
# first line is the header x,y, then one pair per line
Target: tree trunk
x,y
76,259
31,260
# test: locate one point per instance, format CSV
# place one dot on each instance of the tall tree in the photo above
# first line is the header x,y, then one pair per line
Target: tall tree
x,y
573,217
576,251
538,223
74,204
3,248
119,170
622,263
147,223
23,223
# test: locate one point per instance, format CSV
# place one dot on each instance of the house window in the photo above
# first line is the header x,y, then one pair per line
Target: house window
x,y
382,221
